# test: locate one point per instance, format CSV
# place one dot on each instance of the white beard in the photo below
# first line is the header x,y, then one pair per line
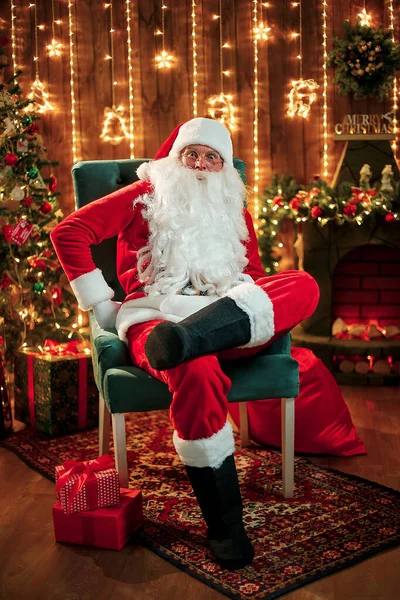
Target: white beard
x,y
197,228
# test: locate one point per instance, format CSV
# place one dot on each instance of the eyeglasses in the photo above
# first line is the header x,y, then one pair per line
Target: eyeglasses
x,y
211,159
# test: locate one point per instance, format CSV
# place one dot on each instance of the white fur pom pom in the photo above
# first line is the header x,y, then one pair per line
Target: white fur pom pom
x,y
143,171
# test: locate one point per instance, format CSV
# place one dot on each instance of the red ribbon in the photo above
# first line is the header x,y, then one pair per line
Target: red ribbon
x,y
31,391
72,348
85,469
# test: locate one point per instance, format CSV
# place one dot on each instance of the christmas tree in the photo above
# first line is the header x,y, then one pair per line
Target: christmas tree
x,y
35,299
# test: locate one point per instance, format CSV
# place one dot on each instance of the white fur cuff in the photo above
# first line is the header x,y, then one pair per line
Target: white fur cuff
x,y
90,289
206,452
258,306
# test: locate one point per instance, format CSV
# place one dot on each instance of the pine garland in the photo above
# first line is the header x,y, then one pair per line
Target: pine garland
x,y
366,61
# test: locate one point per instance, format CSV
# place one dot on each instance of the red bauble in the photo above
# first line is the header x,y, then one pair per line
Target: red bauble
x,y
278,201
7,232
53,182
5,282
32,129
10,159
45,208
56,294
316,212
389,217
27,201
350,210
295,203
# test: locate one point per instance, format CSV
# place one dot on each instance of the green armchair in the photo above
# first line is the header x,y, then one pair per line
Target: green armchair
x,y
124,388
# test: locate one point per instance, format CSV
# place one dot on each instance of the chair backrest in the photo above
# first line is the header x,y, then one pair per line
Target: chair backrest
x,y
94,179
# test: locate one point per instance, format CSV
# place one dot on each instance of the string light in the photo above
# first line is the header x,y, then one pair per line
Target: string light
x,y
13,36
114,118
194,58
130,81
220,106
325,160
395,106
164,60
256,38
38,89
72,79
55,48
302,95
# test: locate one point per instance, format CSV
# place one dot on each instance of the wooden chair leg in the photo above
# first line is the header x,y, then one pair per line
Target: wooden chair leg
x,y
287,425
104,426
121,460
244,424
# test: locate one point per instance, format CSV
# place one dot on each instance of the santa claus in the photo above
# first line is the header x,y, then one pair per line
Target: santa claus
x,y
196,292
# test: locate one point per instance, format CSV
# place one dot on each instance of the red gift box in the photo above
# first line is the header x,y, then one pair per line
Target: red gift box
x,y
87,485
103,528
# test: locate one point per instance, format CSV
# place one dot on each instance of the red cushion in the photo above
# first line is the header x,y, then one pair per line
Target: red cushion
x,y
323,423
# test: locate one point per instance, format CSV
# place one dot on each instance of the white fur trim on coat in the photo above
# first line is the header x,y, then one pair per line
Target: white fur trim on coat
x,y
143,171
206,452
91,289
258,306
206,132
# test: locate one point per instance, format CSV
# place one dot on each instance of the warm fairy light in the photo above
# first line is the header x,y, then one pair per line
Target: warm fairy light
x,y
114,119
13,36
256,206
38,90
325,157
55,48
164,60
194,58
130,80
395,105
72,80
220,106
365,18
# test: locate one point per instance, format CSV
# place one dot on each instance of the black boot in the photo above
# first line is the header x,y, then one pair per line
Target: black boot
x,y
216,327
218,494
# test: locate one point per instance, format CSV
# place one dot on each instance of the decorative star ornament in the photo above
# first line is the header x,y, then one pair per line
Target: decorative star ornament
x,y
301,97
164,60
55,48
221,109
365,18
261,32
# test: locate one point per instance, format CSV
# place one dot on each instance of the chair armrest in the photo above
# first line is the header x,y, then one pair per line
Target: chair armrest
x,y
281,346
108,351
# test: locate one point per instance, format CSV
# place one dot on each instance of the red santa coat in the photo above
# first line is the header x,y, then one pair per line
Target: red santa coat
x,y
118,214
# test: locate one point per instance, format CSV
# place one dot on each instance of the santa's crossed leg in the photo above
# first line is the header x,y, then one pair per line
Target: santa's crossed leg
x,y
196,292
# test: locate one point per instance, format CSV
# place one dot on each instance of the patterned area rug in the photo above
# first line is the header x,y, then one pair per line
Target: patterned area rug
x,y
334,520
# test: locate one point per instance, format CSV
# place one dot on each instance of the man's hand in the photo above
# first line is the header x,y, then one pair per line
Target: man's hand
x,y
106,313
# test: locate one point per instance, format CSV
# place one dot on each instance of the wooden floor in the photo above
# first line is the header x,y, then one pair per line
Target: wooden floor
x,y
32,566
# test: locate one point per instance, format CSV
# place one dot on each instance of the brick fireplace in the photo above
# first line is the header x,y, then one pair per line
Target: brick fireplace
x,y
358,272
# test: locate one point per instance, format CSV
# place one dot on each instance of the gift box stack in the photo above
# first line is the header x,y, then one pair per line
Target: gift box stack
x,y
55,390
92,509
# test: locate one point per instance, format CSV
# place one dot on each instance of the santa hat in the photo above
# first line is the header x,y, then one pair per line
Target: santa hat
x,y
196,131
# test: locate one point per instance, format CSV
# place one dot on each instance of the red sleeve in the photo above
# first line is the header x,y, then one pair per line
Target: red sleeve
x,y
254,267
97,221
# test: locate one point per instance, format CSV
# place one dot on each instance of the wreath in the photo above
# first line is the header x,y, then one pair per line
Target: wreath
x,y
366,61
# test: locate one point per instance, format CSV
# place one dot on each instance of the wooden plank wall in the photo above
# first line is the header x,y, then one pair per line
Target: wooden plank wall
x,y
163,98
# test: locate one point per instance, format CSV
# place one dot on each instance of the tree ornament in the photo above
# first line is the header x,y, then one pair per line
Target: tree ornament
x,y
56,294
114,126
46,208
22,146
32,129
53,182
38,287
301,97
10,159
387,178
27,201
38,183
26,120
17,193
9,128
7,232
32,173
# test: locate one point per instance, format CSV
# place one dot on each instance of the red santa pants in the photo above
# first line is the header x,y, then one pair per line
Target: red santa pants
x,y
199,405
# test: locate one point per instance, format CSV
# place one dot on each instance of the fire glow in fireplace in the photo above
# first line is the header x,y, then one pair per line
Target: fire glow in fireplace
x,y
356,327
